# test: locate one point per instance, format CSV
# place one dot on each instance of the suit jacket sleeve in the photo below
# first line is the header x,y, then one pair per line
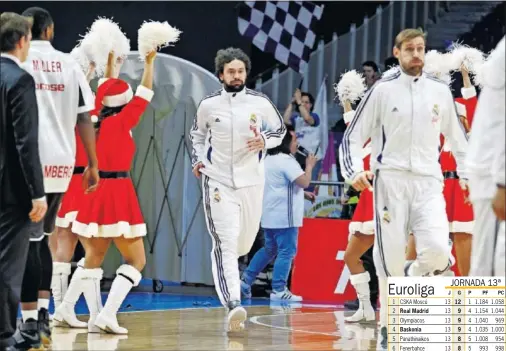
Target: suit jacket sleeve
x,y
25,122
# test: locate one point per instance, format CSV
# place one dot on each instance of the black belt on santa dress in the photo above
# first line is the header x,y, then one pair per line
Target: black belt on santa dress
x,y
450,175
114,175
79,170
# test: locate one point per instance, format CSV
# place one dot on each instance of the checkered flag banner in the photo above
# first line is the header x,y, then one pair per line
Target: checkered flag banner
x,y
282,28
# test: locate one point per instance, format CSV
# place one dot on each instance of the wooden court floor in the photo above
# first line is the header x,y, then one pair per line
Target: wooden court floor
x,y
269,327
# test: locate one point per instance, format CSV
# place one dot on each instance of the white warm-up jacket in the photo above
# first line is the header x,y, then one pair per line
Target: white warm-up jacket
x,y
486,158
223,124
404,117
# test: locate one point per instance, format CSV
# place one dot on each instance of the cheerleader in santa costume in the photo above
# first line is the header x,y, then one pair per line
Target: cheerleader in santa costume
x,y
458,209
112,213
350,88
67,240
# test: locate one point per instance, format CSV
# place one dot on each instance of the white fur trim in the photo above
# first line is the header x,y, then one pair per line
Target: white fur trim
x,y
67,220
145,93
468,93
366,151
348,116
118,100
61,268
94,119
461,227
366,228
130,272
101,81
109,230
461,109
360,278
447,147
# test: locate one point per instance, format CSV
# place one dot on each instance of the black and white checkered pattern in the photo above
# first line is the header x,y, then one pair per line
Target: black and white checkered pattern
x,y
282,28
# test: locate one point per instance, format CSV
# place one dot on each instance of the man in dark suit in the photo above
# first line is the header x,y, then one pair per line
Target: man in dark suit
x,y
22,197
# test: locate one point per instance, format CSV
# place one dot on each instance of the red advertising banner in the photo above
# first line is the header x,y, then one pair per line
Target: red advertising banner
x,y
319,272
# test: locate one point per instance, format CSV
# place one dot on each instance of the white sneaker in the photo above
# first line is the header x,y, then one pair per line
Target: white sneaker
x,y
236,318
285,295
65,317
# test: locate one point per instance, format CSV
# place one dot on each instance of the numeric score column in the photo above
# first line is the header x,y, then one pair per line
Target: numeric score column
x,y
485,318
458,320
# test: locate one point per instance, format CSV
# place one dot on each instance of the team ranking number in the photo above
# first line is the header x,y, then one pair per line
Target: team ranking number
x,y
447,314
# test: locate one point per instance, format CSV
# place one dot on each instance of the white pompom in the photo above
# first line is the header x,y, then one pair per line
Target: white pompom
x,y
390,72
80,57
103,37
351,87
435,63
155,35
94,119
463,55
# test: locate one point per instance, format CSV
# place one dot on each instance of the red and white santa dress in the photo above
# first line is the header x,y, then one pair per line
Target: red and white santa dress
x,y
459,213
113,209
363,217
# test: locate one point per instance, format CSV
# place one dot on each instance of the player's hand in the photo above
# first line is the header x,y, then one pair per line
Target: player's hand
x,y
362,181
464,185
39,209
499,203
196,169
309,196
90,179
256,143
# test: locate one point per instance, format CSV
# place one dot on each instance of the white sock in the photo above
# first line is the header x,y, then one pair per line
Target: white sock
x,y
33,314
383,297
43,303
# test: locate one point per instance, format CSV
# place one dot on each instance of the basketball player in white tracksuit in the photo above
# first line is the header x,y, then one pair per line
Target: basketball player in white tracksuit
x,y
404,116
229,145
485,162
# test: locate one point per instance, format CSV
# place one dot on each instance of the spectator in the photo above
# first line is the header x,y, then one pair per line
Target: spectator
x,y
390,62
307,128
371,73
281,217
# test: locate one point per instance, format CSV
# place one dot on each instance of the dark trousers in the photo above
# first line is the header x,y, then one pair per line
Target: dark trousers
x,y
14,242
368,262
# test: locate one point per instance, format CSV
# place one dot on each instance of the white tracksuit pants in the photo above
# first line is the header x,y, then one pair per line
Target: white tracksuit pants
x,y
233,220
404,203
487,255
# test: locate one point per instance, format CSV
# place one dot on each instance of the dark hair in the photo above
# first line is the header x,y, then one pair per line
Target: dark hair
x,y
310,97
228,55
391,62
13,28
284,147
42,20
371,64
107,112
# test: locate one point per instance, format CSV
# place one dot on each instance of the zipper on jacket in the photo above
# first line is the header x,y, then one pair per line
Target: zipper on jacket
x,y
232,140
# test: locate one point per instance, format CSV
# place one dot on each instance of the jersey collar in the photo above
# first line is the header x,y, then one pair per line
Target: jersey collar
x,y
409,79
41,44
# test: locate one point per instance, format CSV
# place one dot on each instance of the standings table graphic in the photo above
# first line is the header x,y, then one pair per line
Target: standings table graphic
x,y
446,314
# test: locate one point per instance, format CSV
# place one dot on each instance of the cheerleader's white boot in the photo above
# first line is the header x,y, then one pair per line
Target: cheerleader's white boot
x,y
59,281
91,291
65,315
365,310
126,278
